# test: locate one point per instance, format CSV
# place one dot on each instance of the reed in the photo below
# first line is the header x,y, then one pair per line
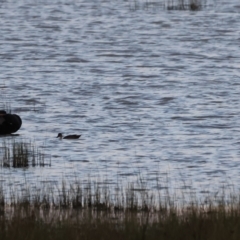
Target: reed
x,y
21,154
6,106
95,211
186,5
192,5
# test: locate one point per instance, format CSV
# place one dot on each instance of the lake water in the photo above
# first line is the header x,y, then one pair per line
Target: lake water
x,y
151,91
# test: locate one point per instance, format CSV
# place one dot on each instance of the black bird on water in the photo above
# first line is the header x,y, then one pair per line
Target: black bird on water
x,y
68,136
9,123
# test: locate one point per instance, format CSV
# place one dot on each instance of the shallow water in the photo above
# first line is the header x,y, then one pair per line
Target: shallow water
x,y
150,90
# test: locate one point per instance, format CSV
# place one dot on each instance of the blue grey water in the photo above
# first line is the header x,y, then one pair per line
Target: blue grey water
x,y
152,91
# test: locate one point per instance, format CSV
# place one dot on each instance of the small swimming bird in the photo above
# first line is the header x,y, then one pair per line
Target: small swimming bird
x,y
68,136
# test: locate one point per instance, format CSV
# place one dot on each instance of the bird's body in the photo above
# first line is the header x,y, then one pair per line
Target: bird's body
x,y
68,136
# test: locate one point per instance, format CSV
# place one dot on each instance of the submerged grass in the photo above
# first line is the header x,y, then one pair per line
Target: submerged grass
x,y
192,5
95,211
21,154
6,106
187,5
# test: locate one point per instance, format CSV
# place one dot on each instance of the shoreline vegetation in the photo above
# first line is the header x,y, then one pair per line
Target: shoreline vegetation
x,y
96,211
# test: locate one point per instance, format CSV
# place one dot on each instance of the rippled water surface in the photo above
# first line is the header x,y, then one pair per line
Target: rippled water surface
x,y
150,90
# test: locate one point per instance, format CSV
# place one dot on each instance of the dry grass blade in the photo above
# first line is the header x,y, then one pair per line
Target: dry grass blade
x,y
91,211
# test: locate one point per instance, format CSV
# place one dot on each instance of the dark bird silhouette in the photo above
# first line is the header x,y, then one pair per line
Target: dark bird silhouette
x,y
9,123
68,136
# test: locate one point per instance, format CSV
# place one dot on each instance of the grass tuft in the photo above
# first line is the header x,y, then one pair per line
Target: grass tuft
x,y
192,5
183,5
21,154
